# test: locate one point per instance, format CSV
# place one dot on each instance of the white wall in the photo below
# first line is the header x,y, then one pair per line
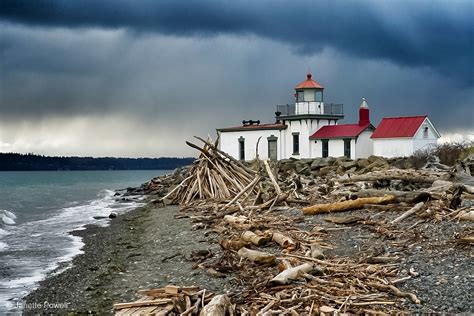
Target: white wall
x,y
335,147
229,142
364,145
420,142
306,128
393,147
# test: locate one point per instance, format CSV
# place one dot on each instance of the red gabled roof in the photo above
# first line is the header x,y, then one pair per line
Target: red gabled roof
x,y
405,126
275,126
309,83
339,131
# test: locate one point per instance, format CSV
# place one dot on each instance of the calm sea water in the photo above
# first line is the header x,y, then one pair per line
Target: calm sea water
x,y
37,212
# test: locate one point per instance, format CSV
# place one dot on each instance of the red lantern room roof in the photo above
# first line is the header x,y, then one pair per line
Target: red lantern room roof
x,y
309,83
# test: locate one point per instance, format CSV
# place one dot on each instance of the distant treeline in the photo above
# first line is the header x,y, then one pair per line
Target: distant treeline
x,y
32,162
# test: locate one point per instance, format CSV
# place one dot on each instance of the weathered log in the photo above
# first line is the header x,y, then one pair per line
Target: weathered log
x,y
346,205
248,187
286,276
240,222
259,257
467,216
218,306
411,211
272,177
223,153
158,302
465,240
284,241
401,196
253,238
396,291
231,244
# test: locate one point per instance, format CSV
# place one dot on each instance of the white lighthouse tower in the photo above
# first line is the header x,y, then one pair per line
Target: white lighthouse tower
x,y
306,116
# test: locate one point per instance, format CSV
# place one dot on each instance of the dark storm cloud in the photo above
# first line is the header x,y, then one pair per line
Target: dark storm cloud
x,y
429,34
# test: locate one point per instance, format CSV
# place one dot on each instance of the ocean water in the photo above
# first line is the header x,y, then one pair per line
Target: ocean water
x,y
38,210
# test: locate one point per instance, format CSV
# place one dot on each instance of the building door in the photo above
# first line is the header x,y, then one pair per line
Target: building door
x,y
347,148
272,148
325,147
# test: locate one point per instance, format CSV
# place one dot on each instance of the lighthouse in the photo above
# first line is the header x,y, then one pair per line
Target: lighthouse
x,y
309,97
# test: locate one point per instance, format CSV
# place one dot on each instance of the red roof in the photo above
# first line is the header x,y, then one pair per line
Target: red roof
x,y
405,126
339,131
309,83
253,127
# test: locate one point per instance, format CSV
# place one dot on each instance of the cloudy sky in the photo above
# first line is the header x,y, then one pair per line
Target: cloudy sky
x,y
138,78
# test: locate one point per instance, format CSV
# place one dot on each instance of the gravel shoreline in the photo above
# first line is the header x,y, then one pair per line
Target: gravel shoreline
x,y
144,248
147,248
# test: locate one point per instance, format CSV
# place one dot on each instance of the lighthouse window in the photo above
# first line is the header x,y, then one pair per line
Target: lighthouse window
x,y
242,148
296,143
300,96
425,132
318,96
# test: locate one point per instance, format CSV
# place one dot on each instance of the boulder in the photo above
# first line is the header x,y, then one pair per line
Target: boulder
x,y
318,163
324,171
349,164
362,163
373,158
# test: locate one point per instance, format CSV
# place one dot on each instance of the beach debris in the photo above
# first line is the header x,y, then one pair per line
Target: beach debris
x,y
248,204
347,205
173,299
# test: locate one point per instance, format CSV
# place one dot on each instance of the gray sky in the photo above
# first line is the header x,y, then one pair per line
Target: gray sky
x,y
138,78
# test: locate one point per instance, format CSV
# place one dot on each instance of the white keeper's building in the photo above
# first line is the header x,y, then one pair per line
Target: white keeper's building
x,y
309,129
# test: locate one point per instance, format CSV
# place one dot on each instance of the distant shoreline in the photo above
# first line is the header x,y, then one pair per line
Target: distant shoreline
x,y
33,162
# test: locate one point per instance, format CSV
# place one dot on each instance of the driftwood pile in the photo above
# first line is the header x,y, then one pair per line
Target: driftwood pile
x,y
213,176
178,301
258,214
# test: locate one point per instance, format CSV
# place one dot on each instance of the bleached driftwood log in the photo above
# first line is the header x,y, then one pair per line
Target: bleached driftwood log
x,y
232,244
240,222
346,205
257,256
291,274
467,216
272,177
284,241
411,211
253,238
248,187
218,306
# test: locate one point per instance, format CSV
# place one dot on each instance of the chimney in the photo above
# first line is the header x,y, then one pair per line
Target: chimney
x,y
364,113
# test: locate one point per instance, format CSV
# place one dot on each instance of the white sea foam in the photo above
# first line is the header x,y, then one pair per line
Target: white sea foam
x,y
9,214
3,246
54,231
7,220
